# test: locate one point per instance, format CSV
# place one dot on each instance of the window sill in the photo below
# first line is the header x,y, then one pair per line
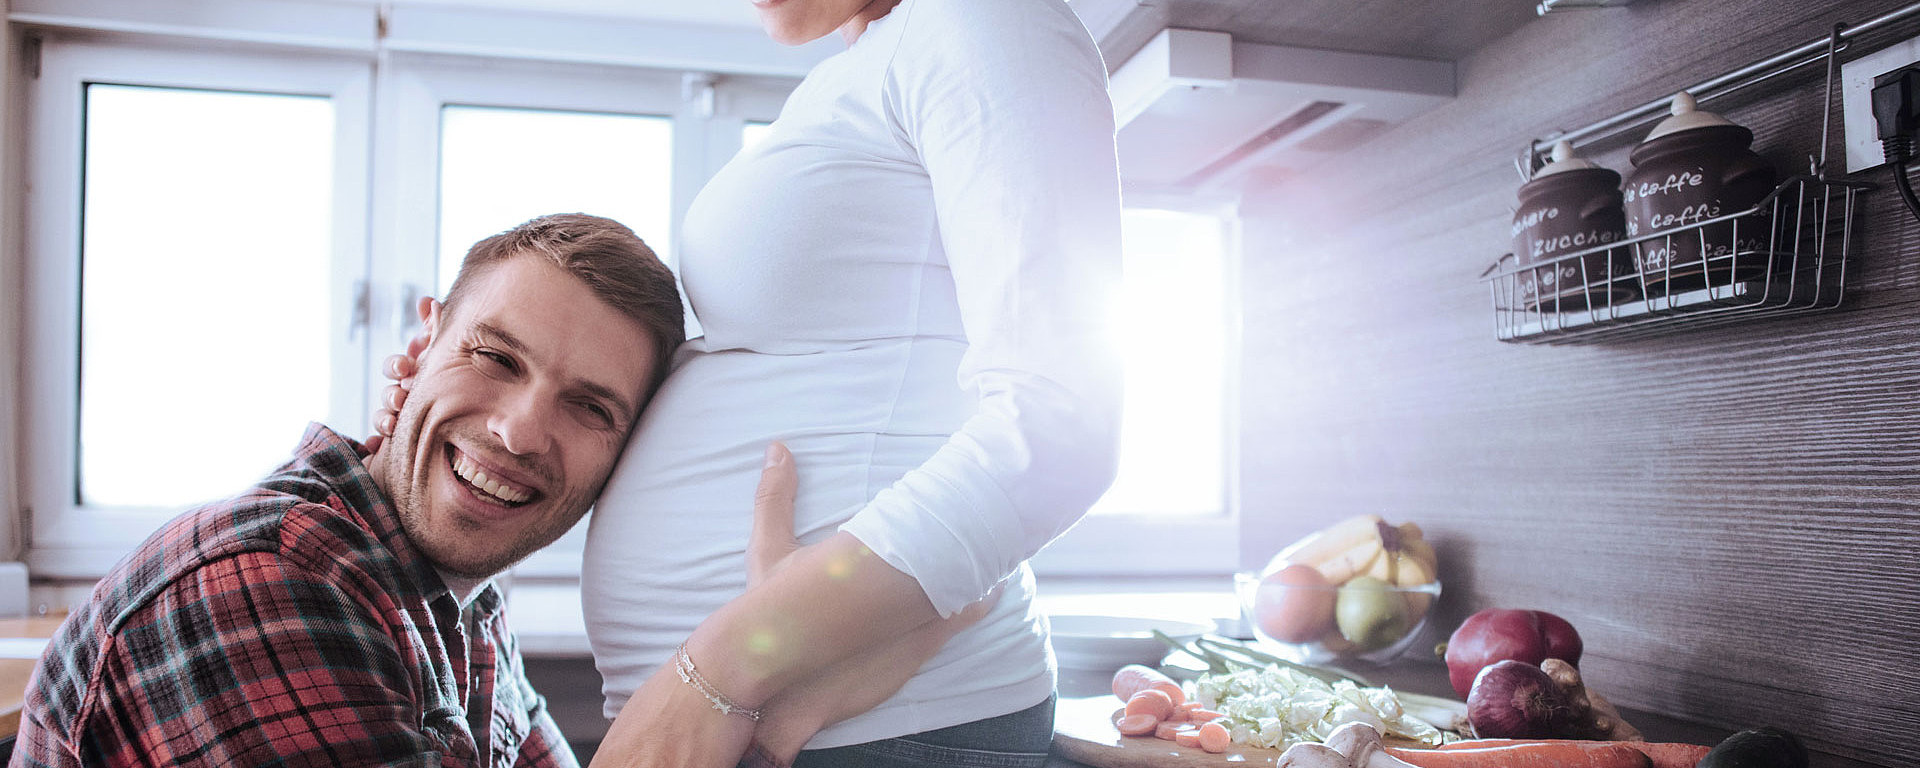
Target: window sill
x,y
548,621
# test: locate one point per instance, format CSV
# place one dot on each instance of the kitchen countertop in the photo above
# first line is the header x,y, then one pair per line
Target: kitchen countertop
x,y
548,621
1431,678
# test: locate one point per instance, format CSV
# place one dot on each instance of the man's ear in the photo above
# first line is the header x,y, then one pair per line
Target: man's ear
x,y
431,311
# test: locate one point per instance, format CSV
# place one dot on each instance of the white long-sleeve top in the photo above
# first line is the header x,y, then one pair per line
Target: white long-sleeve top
x,y
907,281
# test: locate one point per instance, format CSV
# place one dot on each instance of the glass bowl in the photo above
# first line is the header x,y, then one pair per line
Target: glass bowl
x,y
1363,620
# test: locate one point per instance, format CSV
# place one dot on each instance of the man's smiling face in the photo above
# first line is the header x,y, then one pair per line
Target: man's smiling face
x,y
522,404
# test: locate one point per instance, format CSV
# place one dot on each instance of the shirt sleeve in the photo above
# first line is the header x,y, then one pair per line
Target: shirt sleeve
x,y
250,660
1005,103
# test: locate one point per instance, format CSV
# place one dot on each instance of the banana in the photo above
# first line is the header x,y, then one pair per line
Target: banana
x,y
1413,571
1419,549
1327,543
1361,558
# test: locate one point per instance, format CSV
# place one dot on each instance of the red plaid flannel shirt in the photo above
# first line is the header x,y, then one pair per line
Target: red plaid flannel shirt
x,y
294,625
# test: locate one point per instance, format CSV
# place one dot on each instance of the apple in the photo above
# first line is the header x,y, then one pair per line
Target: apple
x,y
1294,604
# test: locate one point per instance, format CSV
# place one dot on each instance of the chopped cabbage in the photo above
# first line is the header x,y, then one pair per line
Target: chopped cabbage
x,y
1276,707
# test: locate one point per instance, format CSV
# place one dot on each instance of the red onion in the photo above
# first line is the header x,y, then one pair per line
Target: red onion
x,y
1496,634
1516,700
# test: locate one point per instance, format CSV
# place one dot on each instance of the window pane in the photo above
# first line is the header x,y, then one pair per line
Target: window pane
x,y
500,167
204,303
1171,326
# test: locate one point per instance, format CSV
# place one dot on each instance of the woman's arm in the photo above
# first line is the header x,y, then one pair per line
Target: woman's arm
x,y
771,640
852,686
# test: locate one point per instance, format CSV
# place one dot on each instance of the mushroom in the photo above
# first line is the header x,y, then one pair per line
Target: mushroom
x,y
1361,745
1308,754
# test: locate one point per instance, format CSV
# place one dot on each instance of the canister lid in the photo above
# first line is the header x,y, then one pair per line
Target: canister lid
x,y
1686,116
1562,160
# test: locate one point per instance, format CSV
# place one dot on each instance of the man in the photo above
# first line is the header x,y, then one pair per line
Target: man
x,y
341,613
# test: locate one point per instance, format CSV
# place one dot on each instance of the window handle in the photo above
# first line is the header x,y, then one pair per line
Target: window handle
x,y
362,310
409,319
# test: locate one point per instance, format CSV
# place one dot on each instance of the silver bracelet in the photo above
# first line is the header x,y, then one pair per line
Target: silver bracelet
x,y
683,664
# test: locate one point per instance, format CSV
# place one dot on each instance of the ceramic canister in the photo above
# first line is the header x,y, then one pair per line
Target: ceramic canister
x,y
1571,205
1696,166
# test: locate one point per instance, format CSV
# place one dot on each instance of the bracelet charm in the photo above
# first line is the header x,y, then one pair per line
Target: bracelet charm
x,y
683,664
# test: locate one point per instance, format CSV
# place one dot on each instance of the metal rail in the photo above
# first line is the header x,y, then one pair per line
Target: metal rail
x,y
1824,48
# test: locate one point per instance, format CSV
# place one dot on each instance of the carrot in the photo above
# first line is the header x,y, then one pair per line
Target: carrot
x,y
1134,678
1663,754
1538,754
1136,724
1203,715
1214,737
1151,701
1187,738
1167,730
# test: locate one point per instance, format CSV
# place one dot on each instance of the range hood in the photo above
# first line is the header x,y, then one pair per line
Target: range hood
x,y
1198,110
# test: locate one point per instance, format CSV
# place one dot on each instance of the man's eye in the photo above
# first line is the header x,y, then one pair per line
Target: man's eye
x,y
493,362
597,415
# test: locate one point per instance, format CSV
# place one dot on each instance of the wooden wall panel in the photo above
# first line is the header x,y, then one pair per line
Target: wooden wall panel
x,y
1731,516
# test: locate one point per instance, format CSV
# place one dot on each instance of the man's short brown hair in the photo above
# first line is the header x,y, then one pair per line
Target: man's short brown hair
x,y
608,257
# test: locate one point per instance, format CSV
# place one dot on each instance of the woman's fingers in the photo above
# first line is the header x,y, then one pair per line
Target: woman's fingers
x,y
400,367
772,539
391,399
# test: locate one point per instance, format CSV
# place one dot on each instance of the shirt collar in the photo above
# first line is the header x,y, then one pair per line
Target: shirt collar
x,y
340,461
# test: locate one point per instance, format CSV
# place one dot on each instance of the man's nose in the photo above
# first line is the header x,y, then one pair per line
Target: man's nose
x,y
523,423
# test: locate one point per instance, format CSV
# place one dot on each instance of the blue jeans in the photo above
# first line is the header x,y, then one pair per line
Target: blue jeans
x,y
1017,740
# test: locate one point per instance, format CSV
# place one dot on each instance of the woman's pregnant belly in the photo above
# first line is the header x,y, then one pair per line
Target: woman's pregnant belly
x,y
668,537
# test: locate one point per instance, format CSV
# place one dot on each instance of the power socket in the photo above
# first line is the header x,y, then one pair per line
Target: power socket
x,y
1856,98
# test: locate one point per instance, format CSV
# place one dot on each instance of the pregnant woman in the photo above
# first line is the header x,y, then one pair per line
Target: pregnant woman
x,y
906,282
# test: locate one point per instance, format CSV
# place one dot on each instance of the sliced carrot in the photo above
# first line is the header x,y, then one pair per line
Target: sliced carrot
x,y
1204,715
1134,678
1187,738
1153,702
1567,754
1185,710
1167,729
1214,737
1173,691
1137,724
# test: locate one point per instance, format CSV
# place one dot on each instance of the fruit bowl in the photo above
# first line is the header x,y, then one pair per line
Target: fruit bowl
x,y
1364,619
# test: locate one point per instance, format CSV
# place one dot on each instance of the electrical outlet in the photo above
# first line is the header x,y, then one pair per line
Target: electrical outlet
x,y
1856,99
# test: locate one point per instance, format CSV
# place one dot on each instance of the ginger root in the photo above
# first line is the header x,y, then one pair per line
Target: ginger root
x,y
1594,716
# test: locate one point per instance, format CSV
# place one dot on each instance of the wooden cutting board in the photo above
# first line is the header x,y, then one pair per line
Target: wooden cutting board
x,y
1084,732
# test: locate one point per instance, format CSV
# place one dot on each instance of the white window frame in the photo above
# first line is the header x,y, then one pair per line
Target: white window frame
x,y
69,539
1175,544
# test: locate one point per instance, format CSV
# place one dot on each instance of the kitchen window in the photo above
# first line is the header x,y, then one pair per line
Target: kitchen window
x,y
228,241
205,222
499,167
325,189
1171,509
192,222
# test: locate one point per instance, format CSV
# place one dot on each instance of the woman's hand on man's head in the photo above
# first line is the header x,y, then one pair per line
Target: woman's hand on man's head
x,y
400,369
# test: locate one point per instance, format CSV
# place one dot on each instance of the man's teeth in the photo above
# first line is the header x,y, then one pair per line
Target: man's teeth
x,y
499,490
